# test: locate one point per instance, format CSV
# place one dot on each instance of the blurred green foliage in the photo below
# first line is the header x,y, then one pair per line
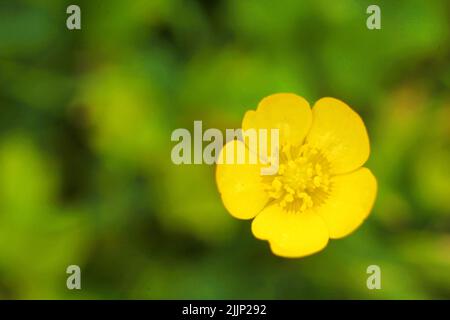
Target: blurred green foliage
x,y
85,124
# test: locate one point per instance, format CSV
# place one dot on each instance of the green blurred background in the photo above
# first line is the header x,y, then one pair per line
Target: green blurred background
x,y
85,124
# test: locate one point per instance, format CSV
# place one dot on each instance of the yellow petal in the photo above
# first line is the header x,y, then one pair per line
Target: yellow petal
x,y
240,185
340,133
349,203
290,235
289,113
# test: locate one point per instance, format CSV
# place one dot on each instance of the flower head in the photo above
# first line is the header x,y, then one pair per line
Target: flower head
x,y
320,191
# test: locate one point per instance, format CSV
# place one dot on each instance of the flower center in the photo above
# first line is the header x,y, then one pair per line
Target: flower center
x,y
303,178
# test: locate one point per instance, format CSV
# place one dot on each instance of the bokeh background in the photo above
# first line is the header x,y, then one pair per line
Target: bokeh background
x,y
85,124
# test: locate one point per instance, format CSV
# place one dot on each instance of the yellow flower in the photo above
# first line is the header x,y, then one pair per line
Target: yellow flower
x,y
320,190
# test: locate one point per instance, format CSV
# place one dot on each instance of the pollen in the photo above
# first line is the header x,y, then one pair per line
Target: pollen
x,y
303,178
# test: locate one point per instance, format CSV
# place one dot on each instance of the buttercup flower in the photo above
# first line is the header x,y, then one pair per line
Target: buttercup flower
x,y
320,191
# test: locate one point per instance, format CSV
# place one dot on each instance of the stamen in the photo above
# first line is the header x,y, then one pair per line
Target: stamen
x,y
303,179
